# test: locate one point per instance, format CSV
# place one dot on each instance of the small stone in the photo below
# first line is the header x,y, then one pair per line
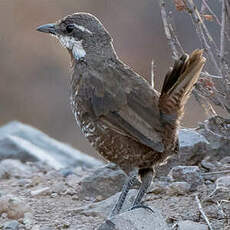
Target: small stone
x,y
178,188
4,215
73,181
66,172
24,182
14,207
158,187
53,195
41,191
190,225
59,188
223,182
11,225
189,174
225,160
36,227
207,165
28,220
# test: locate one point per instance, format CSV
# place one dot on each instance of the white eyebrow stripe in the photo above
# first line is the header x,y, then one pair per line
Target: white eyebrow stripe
x,y
82,28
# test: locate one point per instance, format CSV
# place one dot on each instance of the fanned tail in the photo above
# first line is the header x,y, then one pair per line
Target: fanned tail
x,y
178,85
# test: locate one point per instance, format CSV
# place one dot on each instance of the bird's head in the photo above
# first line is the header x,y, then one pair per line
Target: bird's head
x,y
80,33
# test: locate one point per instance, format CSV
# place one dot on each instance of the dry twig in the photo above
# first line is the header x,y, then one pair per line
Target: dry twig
x,y
203,213
218,172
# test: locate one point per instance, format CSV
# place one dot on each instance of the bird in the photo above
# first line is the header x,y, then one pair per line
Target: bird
x,y
123,117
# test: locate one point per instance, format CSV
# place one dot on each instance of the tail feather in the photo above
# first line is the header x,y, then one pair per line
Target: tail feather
x,y
178,84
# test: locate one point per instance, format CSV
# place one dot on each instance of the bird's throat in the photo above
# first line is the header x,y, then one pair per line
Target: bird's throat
x,y
73,45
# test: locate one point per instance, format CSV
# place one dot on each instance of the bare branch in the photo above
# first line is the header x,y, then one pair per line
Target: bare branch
x,y
203,213
215,173
211,11
153,74
202,32
206,74
167,30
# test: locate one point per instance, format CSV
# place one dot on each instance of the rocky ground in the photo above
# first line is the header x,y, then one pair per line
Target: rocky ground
x,y
42,190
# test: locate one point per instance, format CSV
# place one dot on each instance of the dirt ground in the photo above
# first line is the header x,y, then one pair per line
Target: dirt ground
x,y
48,200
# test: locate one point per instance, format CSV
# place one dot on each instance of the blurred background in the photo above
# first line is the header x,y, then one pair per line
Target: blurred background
x,y
34,68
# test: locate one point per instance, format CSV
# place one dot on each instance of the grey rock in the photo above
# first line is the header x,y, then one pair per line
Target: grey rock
x,y
223,182
104,181
191,142
11,225
217,131
188,138
205,163
137,219
104,208
23,142
14,168
190,225
178,188
225,160
158,187
189,174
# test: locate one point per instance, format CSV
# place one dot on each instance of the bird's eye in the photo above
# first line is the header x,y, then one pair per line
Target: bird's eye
x,y
69,28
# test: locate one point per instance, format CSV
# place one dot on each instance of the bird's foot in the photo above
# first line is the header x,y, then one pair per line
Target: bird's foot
x,y
142,206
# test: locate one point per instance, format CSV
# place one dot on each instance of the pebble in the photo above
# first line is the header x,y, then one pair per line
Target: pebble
x,y
225,160
28,220
178,188
223,182
11,225
158,187
41,191
189,174
190,225
14,207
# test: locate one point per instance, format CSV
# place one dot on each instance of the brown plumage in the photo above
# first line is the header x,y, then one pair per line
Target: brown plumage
x,y
117,110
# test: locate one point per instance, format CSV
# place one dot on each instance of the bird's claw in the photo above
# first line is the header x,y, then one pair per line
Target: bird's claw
x,y
142,206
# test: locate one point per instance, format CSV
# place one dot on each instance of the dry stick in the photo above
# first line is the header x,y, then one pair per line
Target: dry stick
x,y
152,74
222,32
202,32
222,40
198,23
203,213
206,74
173,41
176,39
167,30
203,25
218,172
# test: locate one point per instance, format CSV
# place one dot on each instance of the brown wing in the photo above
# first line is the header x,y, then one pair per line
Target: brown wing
x,y
127,103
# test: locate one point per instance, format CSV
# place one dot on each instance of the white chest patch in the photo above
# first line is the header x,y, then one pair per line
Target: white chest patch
x,y
76,46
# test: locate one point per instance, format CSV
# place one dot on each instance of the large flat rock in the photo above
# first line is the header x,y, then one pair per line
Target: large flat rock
x,y
25,143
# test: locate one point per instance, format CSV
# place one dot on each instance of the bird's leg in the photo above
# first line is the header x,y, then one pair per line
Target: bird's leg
x,y
126,187
146,178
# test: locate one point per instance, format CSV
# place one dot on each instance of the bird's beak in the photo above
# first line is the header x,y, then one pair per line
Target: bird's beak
x,y
47,28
